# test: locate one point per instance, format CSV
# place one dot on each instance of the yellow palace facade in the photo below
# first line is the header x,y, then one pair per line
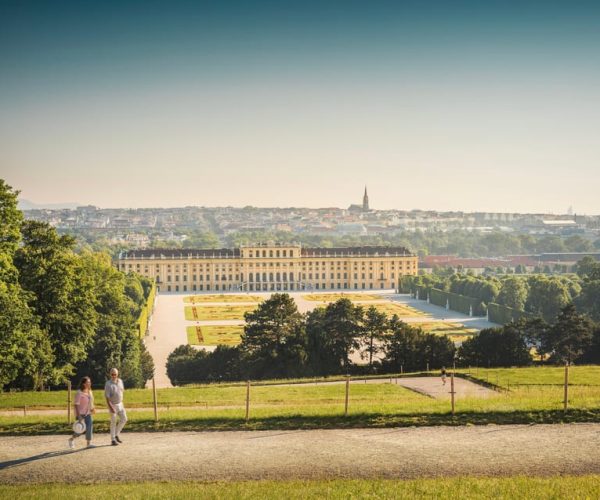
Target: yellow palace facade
x,y
269,267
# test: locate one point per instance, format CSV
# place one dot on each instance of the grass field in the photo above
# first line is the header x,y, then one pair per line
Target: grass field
x,y
467,488
222,298
214,335
455,331
209,313
588,375
332,297
217,407
391,308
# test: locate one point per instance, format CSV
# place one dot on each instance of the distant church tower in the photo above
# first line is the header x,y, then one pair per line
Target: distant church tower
x,y
365,201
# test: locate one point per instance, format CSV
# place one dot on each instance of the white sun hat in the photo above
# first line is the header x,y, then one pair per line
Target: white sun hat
x,y
79,427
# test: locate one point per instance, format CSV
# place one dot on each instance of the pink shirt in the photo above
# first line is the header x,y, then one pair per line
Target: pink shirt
x,y
84,402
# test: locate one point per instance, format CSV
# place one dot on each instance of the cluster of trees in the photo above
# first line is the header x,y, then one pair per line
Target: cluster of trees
x,y
280,342
63,314
572,338
538,294
458,242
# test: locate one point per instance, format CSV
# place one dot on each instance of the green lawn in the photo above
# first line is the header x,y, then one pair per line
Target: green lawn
x,y
401,310
332,297
222,298
536,375
321,406
466,488
214,335
210,313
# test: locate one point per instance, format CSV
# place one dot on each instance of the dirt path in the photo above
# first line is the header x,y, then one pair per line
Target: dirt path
x,y
538,450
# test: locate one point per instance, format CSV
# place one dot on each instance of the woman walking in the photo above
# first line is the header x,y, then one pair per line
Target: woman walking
x,y
84,409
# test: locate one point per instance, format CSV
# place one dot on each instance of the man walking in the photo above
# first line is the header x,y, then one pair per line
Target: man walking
x,y
113,391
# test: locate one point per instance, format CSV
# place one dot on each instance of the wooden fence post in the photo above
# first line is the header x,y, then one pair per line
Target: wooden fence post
x,y
155,402
566,398
452,390
247,400
68,401
347,394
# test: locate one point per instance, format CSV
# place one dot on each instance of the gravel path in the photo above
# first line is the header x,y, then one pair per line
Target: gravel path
x,y
538,450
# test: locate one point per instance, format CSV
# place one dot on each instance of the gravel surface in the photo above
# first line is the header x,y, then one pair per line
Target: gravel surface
x,y
538,450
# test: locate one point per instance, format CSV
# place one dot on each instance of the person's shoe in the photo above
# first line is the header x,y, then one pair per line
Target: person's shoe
x,y
71,444
114,443
91,445
118,439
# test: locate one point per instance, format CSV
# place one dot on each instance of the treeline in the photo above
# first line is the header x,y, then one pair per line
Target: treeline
x,y
537,294
572,338
63,314
280,342
457,242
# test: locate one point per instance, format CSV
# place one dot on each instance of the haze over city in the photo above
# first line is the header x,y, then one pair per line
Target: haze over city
x,y
465,106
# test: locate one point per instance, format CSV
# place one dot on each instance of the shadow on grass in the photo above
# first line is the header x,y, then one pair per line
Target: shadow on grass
x,y
358,420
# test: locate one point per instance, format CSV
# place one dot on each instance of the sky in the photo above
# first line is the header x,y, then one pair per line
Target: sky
x,y
472,106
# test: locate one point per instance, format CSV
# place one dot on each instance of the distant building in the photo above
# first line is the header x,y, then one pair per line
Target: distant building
x,y
365,204
271,267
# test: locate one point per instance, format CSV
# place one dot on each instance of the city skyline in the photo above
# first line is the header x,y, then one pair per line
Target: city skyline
x,y
465,107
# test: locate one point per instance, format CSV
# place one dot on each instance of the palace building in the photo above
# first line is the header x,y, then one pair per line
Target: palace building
x,y
271,267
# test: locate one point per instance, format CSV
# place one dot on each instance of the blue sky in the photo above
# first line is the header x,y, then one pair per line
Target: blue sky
x,y
440,105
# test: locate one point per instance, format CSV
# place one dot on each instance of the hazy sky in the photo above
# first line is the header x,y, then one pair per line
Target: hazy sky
x,y
439,105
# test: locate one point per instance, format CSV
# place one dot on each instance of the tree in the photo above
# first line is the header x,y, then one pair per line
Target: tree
x,y
547,296
11,219
569,337
588,267
588,300
375,326
577,243
187,365
181,365
147,363
505,346
333,333
513,293
401,349
274,339
24,350
410,349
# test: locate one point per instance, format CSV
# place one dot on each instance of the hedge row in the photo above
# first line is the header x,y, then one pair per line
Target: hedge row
x,y
146,312
502,315
456,302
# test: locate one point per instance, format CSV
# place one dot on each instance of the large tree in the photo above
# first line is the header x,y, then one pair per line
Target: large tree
x,y
60,293
513,293
334,332
505,346
274,339
375,326
569,337
547,296
25,352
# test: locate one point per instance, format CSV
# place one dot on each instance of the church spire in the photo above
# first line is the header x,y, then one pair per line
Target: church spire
x,y
365,200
